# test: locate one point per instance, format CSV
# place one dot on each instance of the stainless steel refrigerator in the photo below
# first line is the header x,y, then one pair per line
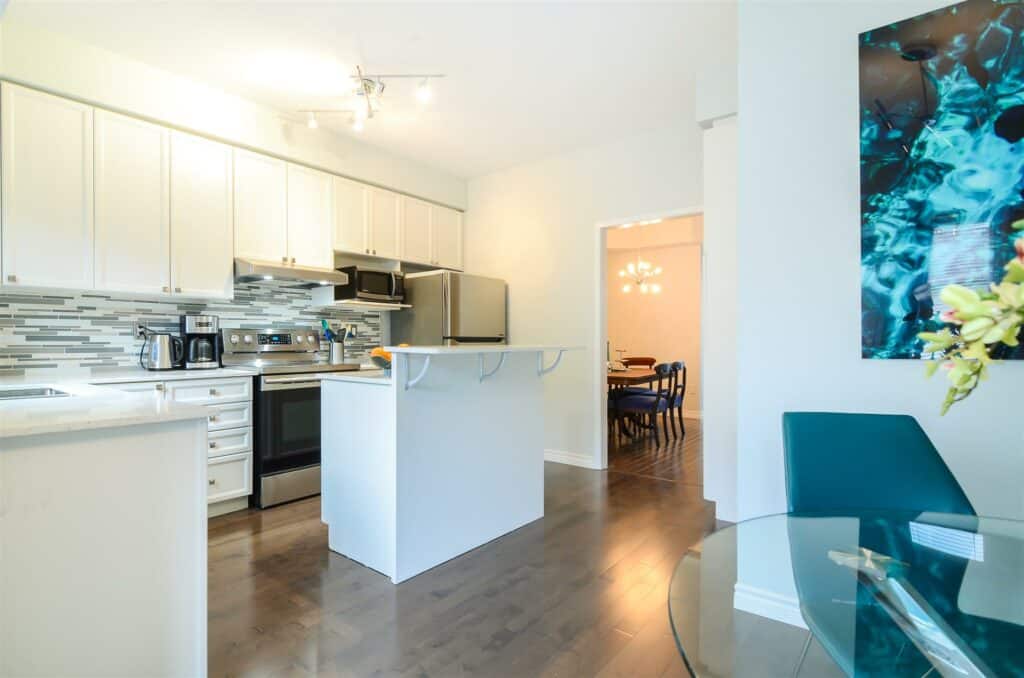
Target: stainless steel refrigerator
x,y
451,309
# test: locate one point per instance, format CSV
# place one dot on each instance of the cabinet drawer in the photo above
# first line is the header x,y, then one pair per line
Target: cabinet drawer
x,y
210,391
230,415
229,477
137,387
230,441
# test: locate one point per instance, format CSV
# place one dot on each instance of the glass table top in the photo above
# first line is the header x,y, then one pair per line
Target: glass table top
x,y
879,593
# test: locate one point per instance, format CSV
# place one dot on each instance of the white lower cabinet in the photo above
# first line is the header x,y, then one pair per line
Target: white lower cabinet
x,y
229,477
210,391
229,453
230,415
230,441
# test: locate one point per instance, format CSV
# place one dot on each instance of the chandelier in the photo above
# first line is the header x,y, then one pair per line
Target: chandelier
x,y
639,274
368,93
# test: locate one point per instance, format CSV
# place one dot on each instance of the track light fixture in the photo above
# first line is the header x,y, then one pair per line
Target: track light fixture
x,y
368,93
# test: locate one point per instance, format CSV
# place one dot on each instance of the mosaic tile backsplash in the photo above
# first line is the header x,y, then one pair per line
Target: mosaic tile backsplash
x,y
42,331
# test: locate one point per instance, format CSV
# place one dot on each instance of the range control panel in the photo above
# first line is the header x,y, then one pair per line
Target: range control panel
x,y
263,339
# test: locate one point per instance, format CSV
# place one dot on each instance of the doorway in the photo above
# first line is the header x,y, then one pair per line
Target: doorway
x,y
649,314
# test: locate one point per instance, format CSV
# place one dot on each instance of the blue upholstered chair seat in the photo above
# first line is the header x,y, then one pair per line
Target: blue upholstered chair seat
x,y
641,390
641,403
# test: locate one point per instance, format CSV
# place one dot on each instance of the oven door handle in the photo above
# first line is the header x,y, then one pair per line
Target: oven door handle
x,y
289,383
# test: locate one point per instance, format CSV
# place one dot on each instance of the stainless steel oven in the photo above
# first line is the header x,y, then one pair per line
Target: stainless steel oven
x,y
286,436
286,408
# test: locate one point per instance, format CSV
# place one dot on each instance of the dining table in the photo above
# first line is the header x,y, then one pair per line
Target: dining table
x,y
858,593
633,376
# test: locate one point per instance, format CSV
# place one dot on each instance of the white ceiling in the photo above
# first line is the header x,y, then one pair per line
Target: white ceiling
x,y
524,80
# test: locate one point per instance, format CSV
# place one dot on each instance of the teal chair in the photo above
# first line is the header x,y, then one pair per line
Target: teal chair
x,y
845,462
849,463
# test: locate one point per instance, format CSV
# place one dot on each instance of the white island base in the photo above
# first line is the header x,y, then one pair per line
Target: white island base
x,y
428,465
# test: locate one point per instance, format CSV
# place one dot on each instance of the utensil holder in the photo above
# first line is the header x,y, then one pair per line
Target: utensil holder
x,y
337,353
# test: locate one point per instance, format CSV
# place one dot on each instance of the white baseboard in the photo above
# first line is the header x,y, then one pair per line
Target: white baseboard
x,y
768,604
229,506
571,458
691,414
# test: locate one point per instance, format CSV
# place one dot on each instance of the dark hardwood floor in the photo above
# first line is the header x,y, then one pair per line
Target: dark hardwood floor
x,y
675,458
582,592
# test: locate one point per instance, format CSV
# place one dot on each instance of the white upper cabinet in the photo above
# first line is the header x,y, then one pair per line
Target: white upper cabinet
x,y
447,229
384,224
202,259
133,209
351,206
47,204
416,236
261,207
310,217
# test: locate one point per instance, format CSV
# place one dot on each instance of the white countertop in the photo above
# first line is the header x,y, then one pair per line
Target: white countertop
x,y
364,376
119,375
482,348
88,407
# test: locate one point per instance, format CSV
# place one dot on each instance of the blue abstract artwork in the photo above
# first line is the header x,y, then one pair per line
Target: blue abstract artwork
x,y
942,164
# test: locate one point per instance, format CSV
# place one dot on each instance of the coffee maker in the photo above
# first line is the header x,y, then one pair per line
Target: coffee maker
x,y
202,341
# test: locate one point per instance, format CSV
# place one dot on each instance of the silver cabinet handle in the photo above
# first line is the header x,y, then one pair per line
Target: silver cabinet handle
x,y
213,444
375,251
213,417
211,481
293,261
12,278
367,250
284,260
165,288
158,387
177,289
213,391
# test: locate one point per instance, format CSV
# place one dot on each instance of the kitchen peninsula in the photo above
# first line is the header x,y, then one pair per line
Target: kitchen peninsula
x,y
102,532
441,457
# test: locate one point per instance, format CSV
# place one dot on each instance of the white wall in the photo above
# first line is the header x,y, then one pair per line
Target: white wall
x,y
799,264
536,226
718,324
57,64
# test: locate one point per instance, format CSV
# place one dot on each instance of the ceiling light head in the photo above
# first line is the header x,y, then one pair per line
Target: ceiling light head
x,y
423,92
311,121
627,288
268,277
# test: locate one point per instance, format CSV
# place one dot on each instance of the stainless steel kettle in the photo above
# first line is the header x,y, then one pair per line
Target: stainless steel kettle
x,y
161,351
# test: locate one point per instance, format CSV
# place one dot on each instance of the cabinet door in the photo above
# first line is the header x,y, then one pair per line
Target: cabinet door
x,y
261,230
202,263
447,228
310,216
47,189
384,209
416,231
133,208
351,203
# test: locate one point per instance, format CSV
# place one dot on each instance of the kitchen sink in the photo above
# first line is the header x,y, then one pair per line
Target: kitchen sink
x,y
31,392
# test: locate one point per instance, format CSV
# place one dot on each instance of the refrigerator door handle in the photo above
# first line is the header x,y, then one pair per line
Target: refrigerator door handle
x,y
447,308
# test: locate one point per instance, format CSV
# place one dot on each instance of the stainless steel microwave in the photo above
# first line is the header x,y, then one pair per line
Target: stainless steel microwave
x,y
368,284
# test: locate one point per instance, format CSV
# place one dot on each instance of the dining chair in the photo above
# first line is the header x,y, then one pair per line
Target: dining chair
x,y
838,461
647,406
675,407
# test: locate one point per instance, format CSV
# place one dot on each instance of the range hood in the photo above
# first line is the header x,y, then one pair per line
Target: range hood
x,y
254,270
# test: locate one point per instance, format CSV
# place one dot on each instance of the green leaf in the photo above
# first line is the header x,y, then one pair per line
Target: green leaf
x,y
931,367
1018,225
